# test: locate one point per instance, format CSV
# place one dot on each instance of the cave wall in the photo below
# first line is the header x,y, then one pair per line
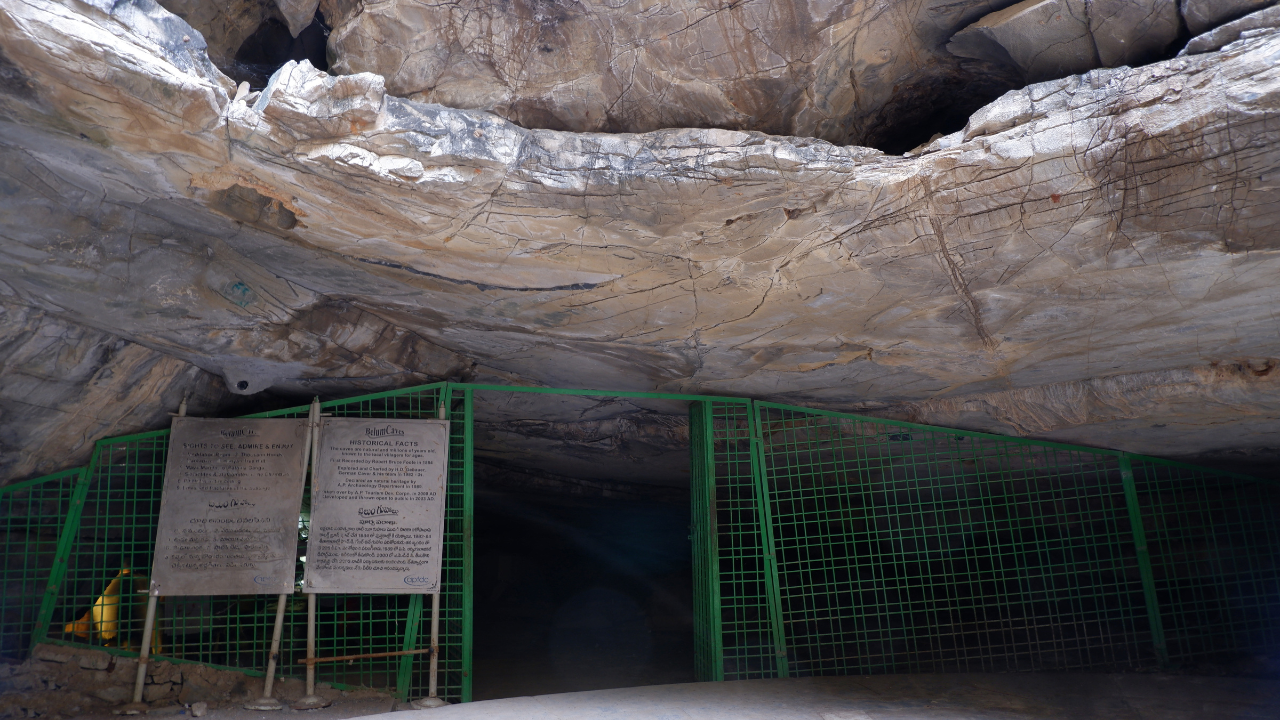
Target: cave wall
x,y
64,385
1088,258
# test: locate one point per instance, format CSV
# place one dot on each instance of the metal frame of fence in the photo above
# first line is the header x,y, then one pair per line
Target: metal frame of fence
x,y
94,590
823,543
899,547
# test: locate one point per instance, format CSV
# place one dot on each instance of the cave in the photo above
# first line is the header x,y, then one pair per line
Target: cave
x,y
580,594
583,552
272,45
859,359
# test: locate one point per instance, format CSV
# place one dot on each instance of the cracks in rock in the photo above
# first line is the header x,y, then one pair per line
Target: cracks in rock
x,y
625,294
763,298
479,285
958,282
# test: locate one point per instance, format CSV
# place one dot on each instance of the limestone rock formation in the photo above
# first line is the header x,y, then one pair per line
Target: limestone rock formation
x,y
1087,258
64,385
841,71
1048,39
1204,15
1225,34
297,13
223,25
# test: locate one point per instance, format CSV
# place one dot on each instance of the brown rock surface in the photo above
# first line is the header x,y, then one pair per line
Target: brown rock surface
x,y
1120,224
841,71
63,385
224,24
1203,15
1048,39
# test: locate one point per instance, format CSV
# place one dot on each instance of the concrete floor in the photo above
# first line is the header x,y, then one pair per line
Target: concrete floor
x,y
885,697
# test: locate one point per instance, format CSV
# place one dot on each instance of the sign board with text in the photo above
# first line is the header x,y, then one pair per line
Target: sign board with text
x,y
229,508
377,506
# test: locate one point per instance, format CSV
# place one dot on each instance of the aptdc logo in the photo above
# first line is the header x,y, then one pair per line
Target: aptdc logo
x,y
239,433
417,581
382,432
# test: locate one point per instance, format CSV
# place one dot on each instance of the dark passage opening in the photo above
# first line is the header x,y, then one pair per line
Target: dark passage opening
x,y
271,46
936,104
580,593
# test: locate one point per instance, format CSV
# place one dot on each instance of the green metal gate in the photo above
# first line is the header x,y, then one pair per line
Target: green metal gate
x,y
823,544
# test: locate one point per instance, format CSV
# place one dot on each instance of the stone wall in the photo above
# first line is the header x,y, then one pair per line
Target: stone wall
x,y
59,682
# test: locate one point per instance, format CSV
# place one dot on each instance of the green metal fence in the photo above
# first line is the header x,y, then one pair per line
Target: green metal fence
x,y
823,544
95,580
736,603
1214,544
33,517
905,548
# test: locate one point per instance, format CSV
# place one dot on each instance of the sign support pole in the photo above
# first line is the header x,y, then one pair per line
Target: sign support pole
x,y
433,684
266,702
431,700
312,701
137,707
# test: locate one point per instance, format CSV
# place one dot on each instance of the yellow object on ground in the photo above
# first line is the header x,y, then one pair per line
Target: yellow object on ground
x,y
104,617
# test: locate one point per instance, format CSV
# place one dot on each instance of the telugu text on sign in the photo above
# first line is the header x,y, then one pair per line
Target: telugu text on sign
x,y
377,511
229,510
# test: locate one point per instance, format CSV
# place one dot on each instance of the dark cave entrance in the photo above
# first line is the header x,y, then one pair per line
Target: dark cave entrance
x,y
582,575
271,46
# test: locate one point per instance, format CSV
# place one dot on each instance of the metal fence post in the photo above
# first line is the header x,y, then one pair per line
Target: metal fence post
x,y
62,554
704,543
1144,561
712,556
468,529
765,514
413,621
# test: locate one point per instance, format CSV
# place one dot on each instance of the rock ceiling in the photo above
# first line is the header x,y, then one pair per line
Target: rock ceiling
x,y
634,195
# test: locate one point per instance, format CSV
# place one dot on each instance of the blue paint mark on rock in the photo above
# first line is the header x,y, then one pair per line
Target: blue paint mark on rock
x,y
240,294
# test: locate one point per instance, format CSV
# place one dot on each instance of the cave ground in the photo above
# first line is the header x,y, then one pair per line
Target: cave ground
x,y
1057,696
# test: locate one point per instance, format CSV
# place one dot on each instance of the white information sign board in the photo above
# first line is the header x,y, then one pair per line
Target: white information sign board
x,y
377,506
229,507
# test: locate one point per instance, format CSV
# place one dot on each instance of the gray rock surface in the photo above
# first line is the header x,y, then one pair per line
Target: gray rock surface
x,y
1084,258
224,24
64,385
1223,35
1133,32
1203,15
1049,39
297,13
843,71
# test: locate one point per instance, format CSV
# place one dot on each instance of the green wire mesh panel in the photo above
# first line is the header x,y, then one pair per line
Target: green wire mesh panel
x,y
823,544
102,597
102,600
1214,542
32,516
356,624
706,587
454,673
747,636
909,549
